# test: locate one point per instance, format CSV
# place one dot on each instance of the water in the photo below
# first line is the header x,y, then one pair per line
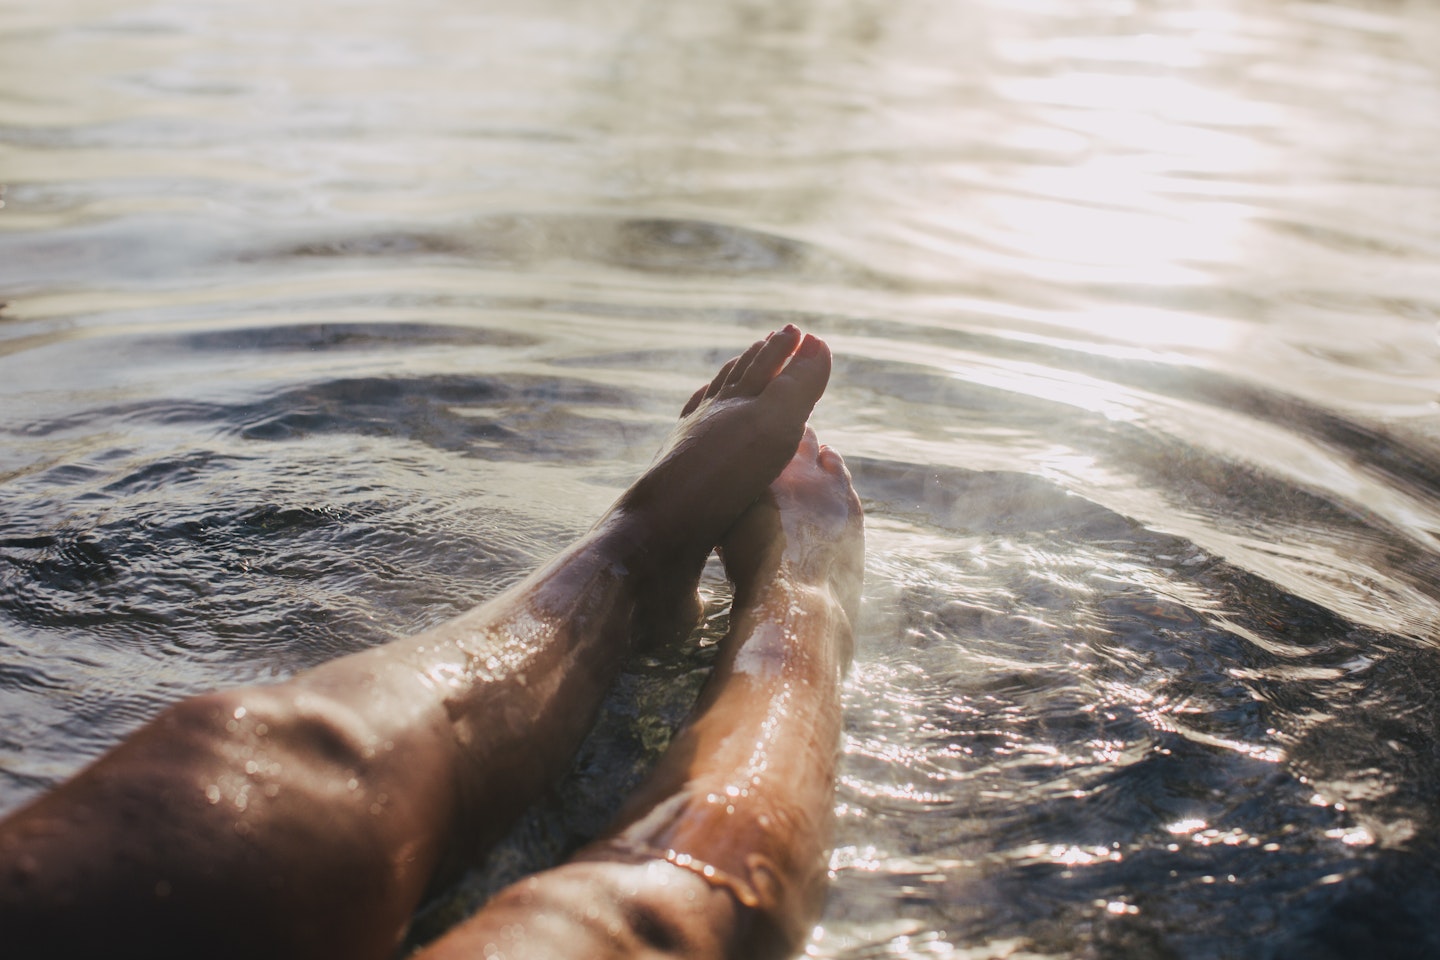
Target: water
x,y
328,320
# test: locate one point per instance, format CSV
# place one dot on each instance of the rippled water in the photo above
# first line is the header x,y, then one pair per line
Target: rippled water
x,y
327,320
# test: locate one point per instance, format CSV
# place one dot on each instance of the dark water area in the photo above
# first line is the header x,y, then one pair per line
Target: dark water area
x,y
327,321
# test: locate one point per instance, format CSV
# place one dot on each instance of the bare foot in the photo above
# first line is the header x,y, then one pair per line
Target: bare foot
x,y
808,528
734,437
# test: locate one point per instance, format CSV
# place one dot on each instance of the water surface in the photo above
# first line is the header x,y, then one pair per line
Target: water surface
x,y
328,320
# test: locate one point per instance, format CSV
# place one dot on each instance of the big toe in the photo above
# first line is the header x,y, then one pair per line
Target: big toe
x,y
799,386
832,462
809,449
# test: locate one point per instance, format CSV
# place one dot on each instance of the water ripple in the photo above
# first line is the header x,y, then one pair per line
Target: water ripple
x,y
321,328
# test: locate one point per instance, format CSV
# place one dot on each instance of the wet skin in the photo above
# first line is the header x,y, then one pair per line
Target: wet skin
x,y
309,818
722,852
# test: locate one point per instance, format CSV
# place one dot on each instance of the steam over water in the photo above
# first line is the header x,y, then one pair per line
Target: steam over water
x,y
328,320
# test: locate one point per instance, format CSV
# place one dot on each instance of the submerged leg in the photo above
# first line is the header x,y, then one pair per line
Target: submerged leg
x,y
308,818
722,852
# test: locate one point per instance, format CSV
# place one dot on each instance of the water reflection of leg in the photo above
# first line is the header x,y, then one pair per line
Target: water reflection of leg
x,y
722,851
308,818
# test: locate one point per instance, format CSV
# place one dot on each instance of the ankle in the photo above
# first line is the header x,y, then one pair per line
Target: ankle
x,y
638,549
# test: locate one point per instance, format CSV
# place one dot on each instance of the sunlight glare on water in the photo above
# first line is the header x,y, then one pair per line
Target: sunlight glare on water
x,y
326,321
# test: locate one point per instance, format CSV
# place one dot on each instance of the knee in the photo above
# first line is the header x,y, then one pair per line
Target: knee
x,y
243,727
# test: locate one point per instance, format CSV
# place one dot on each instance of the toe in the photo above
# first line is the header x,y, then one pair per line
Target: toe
x,y
768,361
718,383
809,445
695,400
736,373
803,380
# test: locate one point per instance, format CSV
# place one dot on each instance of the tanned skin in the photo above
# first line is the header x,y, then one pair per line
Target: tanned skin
x,y
310,817
723,851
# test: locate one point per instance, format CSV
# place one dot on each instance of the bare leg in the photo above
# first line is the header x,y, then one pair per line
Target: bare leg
x,y
722,851
307,819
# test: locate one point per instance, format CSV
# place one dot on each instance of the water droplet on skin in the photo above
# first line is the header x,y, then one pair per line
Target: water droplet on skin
x,y
261,729
212,793
251,767
272,790
352,784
